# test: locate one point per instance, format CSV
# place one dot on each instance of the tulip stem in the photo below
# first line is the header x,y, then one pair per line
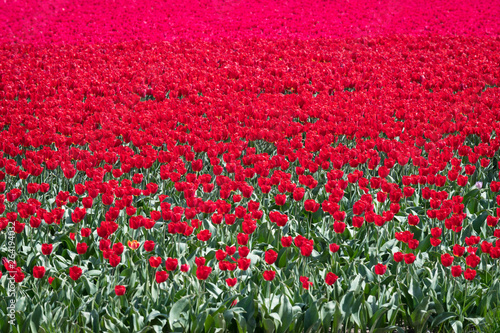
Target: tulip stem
x,y
309,225
465,298
379,291
147,281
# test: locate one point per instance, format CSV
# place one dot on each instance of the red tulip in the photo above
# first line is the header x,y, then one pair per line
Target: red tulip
x,y
75,273
81,248
118,249
120,290
271,256
409,258
149,246
311,206
330,278
269,275
161,276
398,256
242,239
447,259
202,272
286,241
456,271
38,272
231,282
380,269
204,235
114,260
171,264
334,248
243,263
469,274
339,227
46,249
155,261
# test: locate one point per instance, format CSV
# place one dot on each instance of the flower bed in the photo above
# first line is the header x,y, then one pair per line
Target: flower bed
x,y
249,184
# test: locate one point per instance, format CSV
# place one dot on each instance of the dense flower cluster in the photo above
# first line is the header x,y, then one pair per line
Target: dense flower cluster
x,y
243,133
186,163
76,21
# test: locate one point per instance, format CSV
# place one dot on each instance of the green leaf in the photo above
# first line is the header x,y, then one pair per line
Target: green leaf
x,y
457,326
283,257
155,314
356,284
116,324
478,321
36,318
373,321
179,310
219,321
268,325
209,322
472,194
415,290
248,304
479,222
285,312
357,311
155,290
346,304
21,304
95,321
442,318
366,273
276,317
311,319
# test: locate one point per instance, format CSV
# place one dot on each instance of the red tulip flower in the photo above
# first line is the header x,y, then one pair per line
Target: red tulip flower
x,y
456,271
330,278
469,274
75,273
231,282
398,256
120,290
81,248
286,241
202,272
271,256
149,245
46,249
161,276
269,275
38,272
409,258
311,206
447,259
171,264
380,269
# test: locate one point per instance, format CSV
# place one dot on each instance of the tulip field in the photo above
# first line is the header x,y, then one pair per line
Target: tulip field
x,y
237,166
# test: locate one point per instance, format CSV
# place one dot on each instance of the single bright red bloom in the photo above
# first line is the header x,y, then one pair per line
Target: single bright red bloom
x,y
202,272
269,275
38,272
75,272
330,278
271,256
469,274
120,290
161,276
456,271
380,269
